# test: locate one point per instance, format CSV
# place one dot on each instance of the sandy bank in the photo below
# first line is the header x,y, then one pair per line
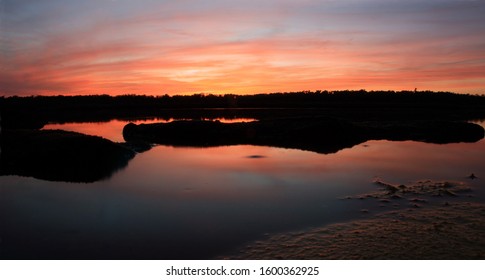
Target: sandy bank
x,y
450,231
432,228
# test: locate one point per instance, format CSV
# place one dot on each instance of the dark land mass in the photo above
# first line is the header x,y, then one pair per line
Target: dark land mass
x,y
312,134
58,155
36,111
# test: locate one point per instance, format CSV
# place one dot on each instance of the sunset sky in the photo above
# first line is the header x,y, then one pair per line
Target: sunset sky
x,y
248,46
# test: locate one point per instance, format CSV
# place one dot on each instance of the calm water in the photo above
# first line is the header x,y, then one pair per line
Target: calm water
x,y
113,129
198,203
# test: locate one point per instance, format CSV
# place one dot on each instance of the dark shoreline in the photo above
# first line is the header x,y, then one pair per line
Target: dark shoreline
x,y
57,155
321,135
36,111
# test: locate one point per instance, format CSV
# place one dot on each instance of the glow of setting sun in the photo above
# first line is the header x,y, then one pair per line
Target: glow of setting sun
x,y
183,47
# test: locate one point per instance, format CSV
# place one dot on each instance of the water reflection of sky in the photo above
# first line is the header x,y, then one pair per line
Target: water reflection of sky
x,y
200,202
113,129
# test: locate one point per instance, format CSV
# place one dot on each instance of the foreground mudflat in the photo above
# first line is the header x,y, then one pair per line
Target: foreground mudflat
x,y
450,231
436,224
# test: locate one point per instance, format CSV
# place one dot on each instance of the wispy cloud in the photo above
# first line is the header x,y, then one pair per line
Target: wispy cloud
x,y
158,47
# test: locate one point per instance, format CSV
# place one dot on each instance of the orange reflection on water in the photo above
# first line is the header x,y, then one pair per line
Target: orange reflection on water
x,y
113,129
245,172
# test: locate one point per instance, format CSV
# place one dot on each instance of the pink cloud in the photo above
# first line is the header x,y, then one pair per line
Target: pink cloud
x,y
156,52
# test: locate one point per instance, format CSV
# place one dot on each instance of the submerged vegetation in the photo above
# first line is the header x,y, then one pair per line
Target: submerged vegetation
x,y
425,188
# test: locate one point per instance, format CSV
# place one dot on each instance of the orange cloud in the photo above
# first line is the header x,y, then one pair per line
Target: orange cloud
x,y
245,51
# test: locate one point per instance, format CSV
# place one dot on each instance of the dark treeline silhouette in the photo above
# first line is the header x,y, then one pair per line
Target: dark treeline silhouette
x,y
35,111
